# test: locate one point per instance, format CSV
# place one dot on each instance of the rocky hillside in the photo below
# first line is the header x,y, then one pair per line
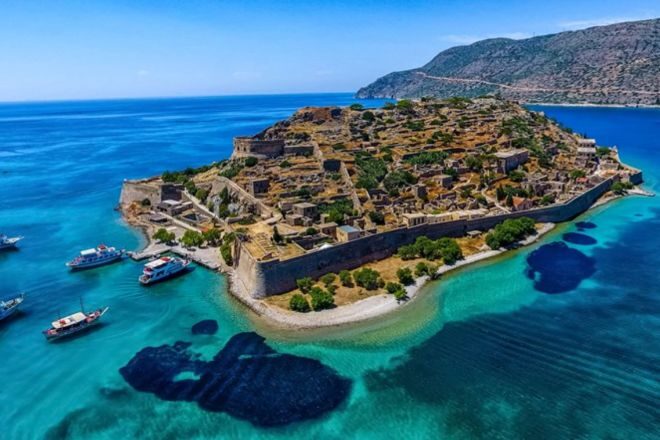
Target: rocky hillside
x,y
615,64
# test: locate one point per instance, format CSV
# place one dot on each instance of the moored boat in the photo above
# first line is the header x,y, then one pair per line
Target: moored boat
x,y
95,257
10,306
74,323
9,242
163,268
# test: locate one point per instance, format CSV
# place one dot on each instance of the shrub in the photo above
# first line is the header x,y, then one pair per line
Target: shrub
x,y
389,105
201,194
368,116
345,278
225,252
251,161
421,269
298,303
321,299
328,278
277,237
357,107
145,202
285,164
405,104
310,231
368,278
377,217
305,284
405,276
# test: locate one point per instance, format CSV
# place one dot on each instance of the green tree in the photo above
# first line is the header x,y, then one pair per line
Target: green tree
x,y
405,276
356,107
225,252
277,237
212,236
305,284
201,194
164,236
345,278
421,269
192,238
321,299
368,278
509,232
251,161
328,278
298,303
377,217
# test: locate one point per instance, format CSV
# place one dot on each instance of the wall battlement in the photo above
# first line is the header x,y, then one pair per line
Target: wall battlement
x,y
265,278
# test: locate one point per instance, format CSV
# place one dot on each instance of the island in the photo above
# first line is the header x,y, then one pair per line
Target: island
x,y
336,215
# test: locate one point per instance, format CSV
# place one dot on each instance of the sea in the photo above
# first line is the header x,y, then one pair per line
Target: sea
x,y
559,340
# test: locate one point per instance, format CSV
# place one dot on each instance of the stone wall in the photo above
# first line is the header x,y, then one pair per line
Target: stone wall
x,y
138,190
248,146
264,278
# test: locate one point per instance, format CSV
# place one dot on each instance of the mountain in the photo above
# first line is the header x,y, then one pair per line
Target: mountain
x,y
614,64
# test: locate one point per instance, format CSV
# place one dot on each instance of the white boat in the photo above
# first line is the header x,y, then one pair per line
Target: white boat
x,y
74,323
162,269
9,242
10,306
95,257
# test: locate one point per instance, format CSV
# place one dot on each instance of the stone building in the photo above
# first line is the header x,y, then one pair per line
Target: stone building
x,y
258,186
245,146
347,233
510,159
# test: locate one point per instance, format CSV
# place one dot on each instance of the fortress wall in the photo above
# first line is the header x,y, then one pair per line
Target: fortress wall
x,y
136,191
264,278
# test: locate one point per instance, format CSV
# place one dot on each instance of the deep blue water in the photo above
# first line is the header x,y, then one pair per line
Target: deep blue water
x,y
559,340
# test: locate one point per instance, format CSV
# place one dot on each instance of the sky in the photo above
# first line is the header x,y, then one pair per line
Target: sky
x,y
95,49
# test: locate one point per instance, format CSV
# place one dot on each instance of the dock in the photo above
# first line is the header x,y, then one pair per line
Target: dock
x,y
205,257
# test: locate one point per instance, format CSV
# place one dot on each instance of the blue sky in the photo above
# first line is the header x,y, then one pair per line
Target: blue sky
x,y
64,49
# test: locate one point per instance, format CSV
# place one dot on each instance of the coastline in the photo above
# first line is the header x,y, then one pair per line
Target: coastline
x,y
588,104
366,309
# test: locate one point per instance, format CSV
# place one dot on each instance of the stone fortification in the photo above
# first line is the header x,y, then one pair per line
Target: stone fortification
x,y
264,278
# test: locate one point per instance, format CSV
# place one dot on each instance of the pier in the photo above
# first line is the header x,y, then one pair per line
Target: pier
x,y
206,257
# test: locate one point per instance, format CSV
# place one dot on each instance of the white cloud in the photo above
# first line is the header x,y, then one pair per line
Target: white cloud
x,y
469,39
571,25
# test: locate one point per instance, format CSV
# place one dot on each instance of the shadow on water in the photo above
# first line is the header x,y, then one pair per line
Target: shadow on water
x,y
557,268
577,238
579,366
246,379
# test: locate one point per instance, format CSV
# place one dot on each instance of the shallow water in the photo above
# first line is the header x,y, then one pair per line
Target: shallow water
x,y
516,347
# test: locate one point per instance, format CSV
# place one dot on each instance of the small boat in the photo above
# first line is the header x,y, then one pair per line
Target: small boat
x,y
95,257
74,323
10,306
9,242
162,269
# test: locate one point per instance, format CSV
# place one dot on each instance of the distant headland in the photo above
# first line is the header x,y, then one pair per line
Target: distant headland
x,y
618,64
345,212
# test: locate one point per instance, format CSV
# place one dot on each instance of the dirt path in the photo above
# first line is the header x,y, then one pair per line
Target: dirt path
x,y
533,89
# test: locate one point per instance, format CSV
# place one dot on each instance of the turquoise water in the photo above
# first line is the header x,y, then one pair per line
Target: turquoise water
x,y
484,353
